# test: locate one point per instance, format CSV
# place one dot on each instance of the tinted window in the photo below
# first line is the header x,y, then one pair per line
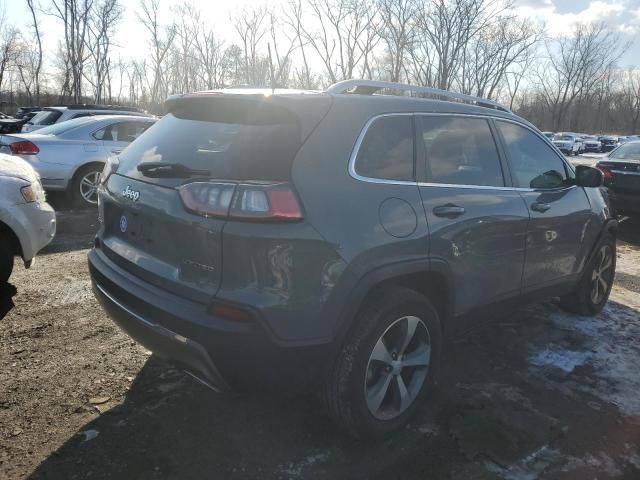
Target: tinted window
x,y
534,163
46,117
628,151
460,151
386,152
261,150
122,132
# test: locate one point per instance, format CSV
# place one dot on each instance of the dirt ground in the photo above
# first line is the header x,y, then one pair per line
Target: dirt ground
x,y
538,395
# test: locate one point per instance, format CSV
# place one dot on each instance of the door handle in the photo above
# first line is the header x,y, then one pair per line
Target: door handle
x,y
117,151
540,207
448,211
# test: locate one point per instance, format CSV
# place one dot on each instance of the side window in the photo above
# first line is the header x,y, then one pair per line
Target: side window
x,y
534,163
122,132
460,151
386,152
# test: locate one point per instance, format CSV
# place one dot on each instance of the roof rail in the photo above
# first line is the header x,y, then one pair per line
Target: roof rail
x,y
89,106
369,87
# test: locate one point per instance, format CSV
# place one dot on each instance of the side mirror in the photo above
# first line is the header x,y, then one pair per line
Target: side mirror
x,y
588,176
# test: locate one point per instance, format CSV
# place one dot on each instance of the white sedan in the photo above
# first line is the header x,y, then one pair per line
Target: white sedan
x,y
27,221
69,156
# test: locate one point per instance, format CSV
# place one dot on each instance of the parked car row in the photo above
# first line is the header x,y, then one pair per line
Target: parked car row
x,y
571,143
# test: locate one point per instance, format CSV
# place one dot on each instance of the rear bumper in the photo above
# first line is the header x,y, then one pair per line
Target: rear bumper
x,y
624,203
223,354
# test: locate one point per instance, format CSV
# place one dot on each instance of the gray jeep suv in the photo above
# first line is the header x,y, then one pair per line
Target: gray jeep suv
x,y
333,240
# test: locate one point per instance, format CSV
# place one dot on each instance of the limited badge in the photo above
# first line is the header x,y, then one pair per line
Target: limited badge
x,y
123,224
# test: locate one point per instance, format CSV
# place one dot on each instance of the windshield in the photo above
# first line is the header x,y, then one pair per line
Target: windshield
x,y
562,137
62,127
46,117
628,151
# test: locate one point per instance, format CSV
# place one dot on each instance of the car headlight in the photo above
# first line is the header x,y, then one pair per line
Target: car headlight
x,y
33,193
110,166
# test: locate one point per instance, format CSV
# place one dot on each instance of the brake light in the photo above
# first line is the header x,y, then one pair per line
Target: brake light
x,y
265,203
248,202
206,198
607,174
24,147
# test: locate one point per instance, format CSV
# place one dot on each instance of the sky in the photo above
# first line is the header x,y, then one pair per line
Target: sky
x,y
558,15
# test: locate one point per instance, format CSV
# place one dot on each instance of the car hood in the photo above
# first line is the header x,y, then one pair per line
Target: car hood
x,y
17,168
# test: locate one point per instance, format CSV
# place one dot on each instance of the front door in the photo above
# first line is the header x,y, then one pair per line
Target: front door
x,y
559,210
477,222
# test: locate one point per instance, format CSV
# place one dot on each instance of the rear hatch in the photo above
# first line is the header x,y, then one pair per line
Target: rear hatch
x,y
209,146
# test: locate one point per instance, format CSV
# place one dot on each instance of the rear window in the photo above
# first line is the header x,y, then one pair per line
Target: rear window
x,y
46,117
628,151
63,127
235,142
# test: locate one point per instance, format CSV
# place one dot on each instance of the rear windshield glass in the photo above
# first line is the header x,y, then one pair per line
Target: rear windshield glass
x,y
46,117
628,151
62,127
236,145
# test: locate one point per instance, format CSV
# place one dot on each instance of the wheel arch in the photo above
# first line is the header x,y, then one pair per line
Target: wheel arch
x,y
7,232
429,277
78,168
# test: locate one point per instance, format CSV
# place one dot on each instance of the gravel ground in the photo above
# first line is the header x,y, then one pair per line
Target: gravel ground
x,y
540,394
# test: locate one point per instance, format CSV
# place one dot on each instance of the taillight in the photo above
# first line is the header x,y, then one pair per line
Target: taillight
x,y
607,174
206,198
24,147
248,202
265,203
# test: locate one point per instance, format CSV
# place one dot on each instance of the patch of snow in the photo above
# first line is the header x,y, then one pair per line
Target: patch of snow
x,y
295,469
558,357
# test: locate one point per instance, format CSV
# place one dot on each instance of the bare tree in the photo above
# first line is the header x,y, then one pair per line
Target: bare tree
x,y
161,39
345,37
75,16
397,30
575,65
105,16
38,65
251,27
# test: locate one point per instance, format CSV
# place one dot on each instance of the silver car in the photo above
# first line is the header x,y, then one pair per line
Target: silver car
x,y
27,221
69,156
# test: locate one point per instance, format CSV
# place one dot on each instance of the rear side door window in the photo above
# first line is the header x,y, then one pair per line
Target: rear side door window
x,y
534,164
460,151
122,132
387,151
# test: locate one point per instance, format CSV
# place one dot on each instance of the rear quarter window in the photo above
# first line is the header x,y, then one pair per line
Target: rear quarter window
x,y
386,151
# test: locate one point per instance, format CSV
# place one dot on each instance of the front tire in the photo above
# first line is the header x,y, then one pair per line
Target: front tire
x,y
387,365
594,288
6,260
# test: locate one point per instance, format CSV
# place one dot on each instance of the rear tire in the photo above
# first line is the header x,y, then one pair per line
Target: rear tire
x,y
594,288
6,260
85,185
387,365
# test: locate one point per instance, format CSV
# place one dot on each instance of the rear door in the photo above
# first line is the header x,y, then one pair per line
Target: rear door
x,y
477,223
560,211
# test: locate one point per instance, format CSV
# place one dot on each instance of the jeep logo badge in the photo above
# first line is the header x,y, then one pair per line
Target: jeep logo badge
x,y
131,194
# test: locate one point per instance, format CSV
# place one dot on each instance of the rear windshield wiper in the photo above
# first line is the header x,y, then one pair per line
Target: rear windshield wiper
x,y
169,170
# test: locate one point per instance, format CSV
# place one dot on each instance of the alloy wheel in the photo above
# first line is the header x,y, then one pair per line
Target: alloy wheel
x,y
89,187
397,367
601,276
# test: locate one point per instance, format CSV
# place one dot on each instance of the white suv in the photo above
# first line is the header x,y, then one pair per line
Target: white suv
x,y
50,115
27,221
568,143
